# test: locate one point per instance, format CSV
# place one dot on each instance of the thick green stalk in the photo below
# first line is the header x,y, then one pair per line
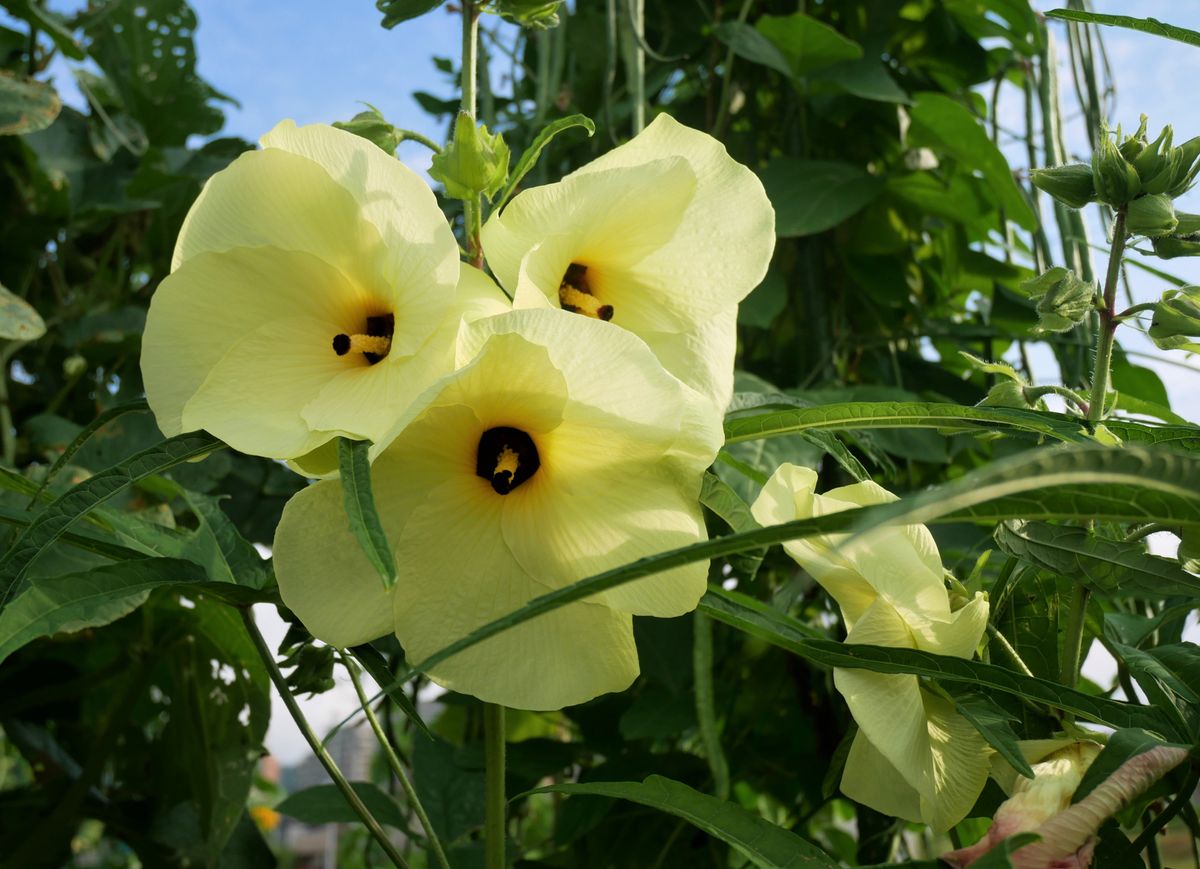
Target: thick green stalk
x,y
352,798
637,56
1108,322
1073,647
410,792
495,817
473,207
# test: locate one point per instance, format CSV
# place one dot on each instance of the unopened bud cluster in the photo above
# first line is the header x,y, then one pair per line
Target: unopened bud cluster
x,y
1132,174
1062,299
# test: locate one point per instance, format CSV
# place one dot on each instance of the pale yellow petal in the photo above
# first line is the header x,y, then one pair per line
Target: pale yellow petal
x,y
702,357
869,778
277,199
958,636
420,262
215,299
890,713
961,760
565,526
324,577
457,575
253,396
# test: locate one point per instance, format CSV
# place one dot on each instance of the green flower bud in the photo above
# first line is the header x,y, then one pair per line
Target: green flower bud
x,y
74,365
372,126
1152,216
1062,299
1072,185
535,14
1102,434
1177,319
1006,393
1187,166
474,163
1116,180
1133,145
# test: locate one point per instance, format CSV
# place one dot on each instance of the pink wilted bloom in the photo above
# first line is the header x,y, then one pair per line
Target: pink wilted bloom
x,y
1042,805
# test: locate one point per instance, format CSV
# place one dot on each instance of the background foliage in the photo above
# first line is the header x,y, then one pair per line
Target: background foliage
x,y
134,700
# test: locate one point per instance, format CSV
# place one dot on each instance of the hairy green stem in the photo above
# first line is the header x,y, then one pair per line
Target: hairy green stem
x,y
1108,322
1002,641
1033,393
495,817
1073,647
702,666
414,136
1134,310
1145,531
393,760
352,798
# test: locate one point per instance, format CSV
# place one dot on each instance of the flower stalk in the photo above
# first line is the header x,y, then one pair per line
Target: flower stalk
x,y
495,817
1108,323
318,749
472,207
435,844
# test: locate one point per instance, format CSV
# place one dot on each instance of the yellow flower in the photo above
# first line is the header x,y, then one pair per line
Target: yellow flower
x,y
560,449
309,283
914,756
663,236
265,817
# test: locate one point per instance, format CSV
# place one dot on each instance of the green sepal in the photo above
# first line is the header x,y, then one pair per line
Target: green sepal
x,y
1177,320
1152,215
474,163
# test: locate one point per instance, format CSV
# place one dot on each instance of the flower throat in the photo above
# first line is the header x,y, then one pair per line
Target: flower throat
x,y
374,344
575,295
506,458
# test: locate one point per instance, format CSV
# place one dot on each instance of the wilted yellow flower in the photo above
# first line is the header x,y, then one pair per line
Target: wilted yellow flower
x,y
663,236
560,449
308,281
914,756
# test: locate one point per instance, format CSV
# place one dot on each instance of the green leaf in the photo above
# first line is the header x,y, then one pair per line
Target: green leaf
x,y
324,804
375,664
365,524
993,724
69,603
84,539
999,856
397,11
717,496
942,123
26,106
1109,567
530,156
751,45
53,23
762,842
450,789
50,524
138,406
866,77
859,415
18,320
760,620
806,43
811,196
1145,25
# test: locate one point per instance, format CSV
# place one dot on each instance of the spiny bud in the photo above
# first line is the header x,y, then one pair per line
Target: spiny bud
x,y
1006,393
1177,320
1072,185
1116,180
475,162
1152,216
1062,299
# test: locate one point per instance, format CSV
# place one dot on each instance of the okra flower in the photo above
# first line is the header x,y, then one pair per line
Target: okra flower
x,y
914,756
560,449
307,282
663,236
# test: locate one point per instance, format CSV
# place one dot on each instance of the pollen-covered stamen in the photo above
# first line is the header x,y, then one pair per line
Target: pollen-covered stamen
x,y
575,295
374,344
506,458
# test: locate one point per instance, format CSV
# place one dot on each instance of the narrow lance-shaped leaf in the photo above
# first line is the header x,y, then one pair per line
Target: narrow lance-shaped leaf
x,y
762,621
1092,482
717,496
530,157
365,524
762,842
994,725
77,501
1145,25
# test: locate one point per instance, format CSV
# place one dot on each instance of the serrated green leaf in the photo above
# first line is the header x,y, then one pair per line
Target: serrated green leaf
x,y
530,156
1145,25
761,841
355,473
324,804
778,629
76,502
994,725
69,603
1109,567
